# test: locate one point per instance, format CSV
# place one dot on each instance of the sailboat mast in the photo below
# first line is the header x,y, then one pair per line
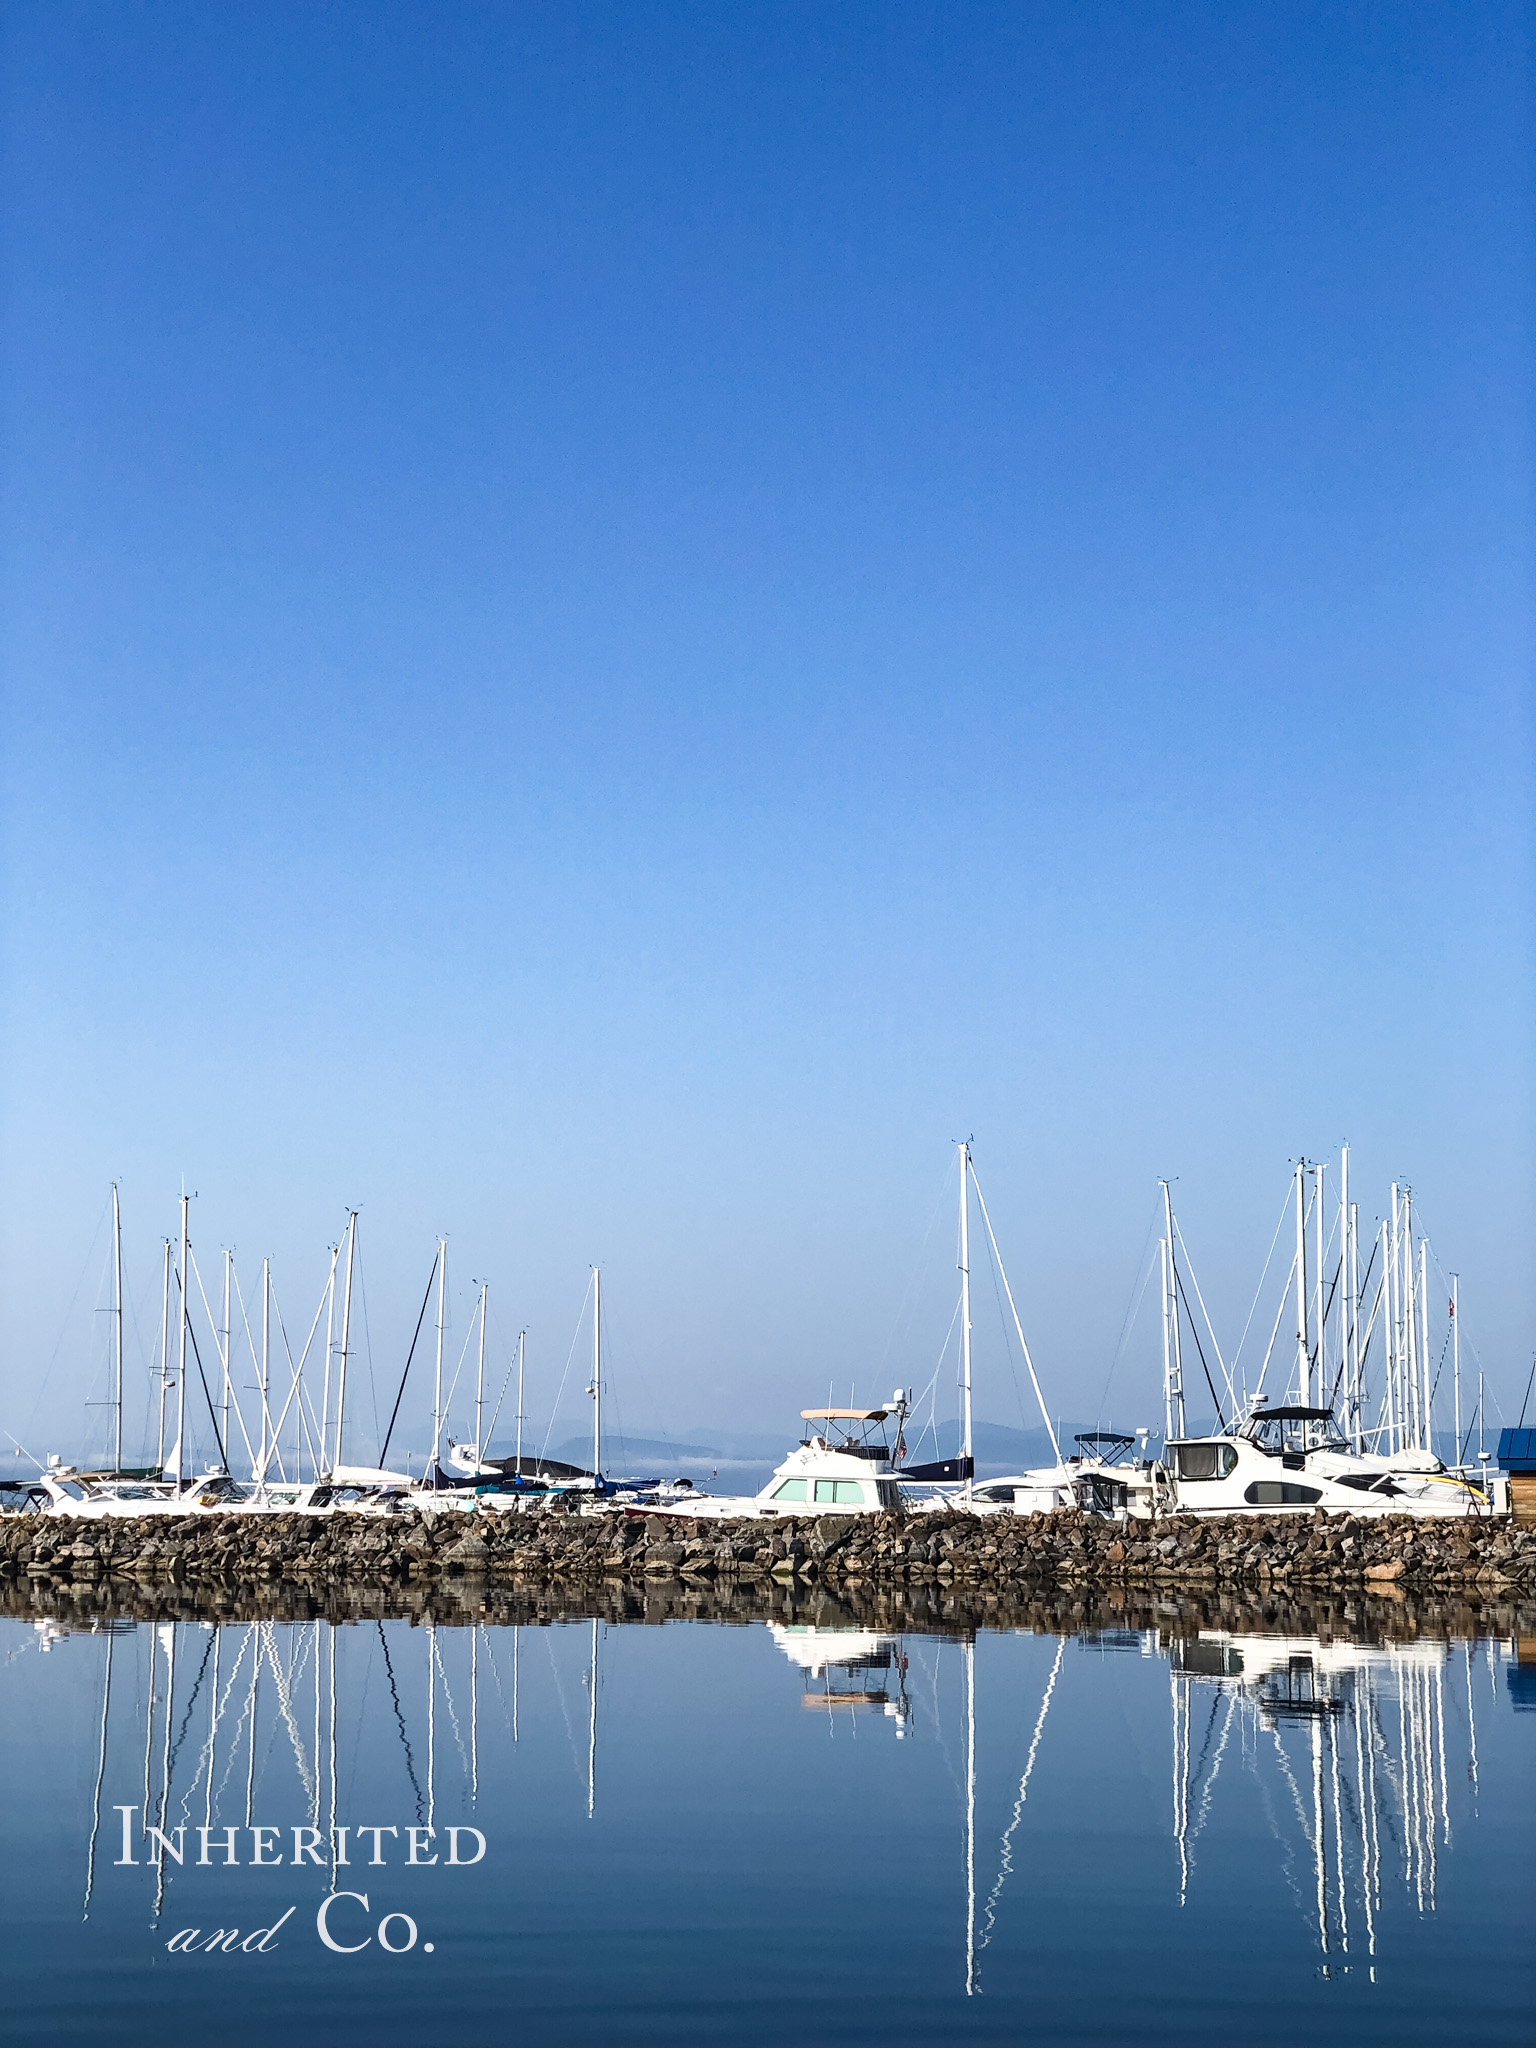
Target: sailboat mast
x,y
266,1377
228,1263
1429,1429
1168,1429
437,1382
165,1355
480,1381
1176,1388
965,1313
346,1335
181,1360
117,1317
1357,1393
1303,1358
597,1371
1317,1234
521,1346
1457,1367
1346,1287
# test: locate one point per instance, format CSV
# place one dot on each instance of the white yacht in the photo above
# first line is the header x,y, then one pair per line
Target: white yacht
x,y
1298,1457
842,1466
1100,1479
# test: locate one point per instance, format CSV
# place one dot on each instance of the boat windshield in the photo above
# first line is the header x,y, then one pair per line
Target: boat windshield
x,y
1281,1430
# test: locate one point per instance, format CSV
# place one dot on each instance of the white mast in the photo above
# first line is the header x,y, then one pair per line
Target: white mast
x,y
1322,1299
437,1383
596,1388
521,1341
1168,1431
480,1381
1457,1369
181,1364
117,1313
965,1313
1424,1346
1175,1391
224,1352
266,1381
1410,1352
330,1348
1303,1356
165,1355
1346,1286
1387,1297
346,1335
1357,1395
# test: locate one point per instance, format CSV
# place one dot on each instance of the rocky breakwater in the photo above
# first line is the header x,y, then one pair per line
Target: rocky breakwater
x,y
228,1554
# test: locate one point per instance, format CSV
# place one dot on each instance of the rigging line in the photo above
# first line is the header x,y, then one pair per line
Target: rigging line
x,y
394,1412
491,1428
930,1428
213,1326
1364,1352
1133,1309
1018,1805
453,1385
1274,1333
68,1313
1050,1428
223,1454
1205,1312
919,1265
1284,1212
187,1716
394,1693
266,1409
373,1390
1179,1282
580,1319
1333,1288
1007,1343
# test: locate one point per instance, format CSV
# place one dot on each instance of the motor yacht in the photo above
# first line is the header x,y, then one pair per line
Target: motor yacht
x,y
842,1466
1298,1457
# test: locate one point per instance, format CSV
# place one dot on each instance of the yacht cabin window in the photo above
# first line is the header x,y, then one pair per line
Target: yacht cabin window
x,y
846,1493
1280,1493
792,1489
1204,1461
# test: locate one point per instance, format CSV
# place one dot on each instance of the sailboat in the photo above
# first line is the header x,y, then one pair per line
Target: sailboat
x,y
1299,1453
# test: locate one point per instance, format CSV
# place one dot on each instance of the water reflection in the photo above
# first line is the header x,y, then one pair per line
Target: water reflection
x,y
1069,1790
1345,1742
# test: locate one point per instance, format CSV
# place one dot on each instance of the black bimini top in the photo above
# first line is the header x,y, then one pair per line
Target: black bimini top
x,y
1290,1415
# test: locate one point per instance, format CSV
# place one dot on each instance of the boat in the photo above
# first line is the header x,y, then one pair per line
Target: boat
x,y
1297,1457
1299,1454
843,1465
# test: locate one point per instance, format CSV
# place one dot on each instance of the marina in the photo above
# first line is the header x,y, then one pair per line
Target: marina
x,y
1349,1427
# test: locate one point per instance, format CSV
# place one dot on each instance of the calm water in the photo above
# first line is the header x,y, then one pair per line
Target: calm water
x,y
775,1834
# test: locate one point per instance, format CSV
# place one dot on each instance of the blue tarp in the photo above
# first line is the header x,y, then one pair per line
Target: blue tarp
x,y
1517,1450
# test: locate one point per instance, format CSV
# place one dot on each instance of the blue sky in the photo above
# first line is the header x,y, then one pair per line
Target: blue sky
x,y
621,622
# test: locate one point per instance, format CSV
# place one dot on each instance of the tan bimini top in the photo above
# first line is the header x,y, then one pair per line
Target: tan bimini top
x,y
844,1414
